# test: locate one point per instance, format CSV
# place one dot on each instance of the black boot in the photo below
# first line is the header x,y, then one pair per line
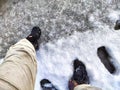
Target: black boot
x,y
34,36
117,25
105,59
80,75
47,85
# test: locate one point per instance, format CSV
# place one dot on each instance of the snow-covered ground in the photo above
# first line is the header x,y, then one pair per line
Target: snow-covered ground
x,y
55,59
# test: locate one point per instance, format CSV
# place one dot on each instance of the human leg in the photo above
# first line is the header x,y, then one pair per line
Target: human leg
x,y
18,71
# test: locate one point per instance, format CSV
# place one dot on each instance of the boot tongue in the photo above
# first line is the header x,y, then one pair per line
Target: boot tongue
x,y
36,32
36,36
79,75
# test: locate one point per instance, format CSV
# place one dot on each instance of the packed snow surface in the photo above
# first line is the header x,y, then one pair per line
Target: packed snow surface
x,y
55,59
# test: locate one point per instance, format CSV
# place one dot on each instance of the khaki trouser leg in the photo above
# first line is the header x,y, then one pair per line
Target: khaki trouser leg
x,y
18,71
86,87
6,86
